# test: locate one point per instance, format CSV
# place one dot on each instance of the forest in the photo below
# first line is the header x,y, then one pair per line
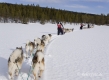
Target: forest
x,y
19,13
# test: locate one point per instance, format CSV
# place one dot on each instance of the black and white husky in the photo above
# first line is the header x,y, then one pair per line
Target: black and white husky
x,y
29,47
15,62
46,38
38,64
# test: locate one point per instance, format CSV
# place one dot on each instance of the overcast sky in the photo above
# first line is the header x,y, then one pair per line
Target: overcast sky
x,y
85,6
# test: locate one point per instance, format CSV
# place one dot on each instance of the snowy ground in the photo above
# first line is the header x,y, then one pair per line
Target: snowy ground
x,y
79,55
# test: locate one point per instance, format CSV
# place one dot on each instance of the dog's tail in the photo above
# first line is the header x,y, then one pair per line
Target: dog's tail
x,y
11,68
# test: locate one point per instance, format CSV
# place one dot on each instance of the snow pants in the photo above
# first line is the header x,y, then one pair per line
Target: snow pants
x,y
60,30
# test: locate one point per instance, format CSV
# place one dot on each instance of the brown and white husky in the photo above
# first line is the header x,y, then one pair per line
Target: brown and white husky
x,y
29,47
38,64
15,62
37,41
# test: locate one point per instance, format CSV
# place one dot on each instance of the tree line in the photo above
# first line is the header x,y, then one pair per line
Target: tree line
x,y
19,13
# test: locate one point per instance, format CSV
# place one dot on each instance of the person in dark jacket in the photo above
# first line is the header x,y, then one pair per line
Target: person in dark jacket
x,y
81,26
59,27
88,26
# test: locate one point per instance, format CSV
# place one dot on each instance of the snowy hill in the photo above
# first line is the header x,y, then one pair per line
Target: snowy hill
x,y
79,55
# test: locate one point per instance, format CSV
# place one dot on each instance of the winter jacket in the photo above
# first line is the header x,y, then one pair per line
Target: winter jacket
x,y
59,25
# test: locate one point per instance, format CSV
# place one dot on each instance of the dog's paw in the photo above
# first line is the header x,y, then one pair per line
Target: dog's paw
x,y
16,74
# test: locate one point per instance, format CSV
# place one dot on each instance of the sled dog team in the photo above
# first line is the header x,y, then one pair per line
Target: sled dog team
x,y
16,58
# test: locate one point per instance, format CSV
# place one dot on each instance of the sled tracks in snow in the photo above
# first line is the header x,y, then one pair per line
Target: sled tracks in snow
x,y
54,37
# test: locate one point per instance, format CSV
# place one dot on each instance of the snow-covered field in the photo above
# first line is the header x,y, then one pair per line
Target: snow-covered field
x,y
78,55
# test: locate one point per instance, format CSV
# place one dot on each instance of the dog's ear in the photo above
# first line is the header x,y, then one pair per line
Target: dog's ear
x,y
50,35
16,47
42,35
34,39
9,60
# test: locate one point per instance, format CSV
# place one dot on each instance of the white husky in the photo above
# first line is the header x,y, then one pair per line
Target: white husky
x,y
15,62
37,41
29,47
38,64
41,46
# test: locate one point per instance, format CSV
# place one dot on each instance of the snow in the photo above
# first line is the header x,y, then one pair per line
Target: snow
x,y
78,55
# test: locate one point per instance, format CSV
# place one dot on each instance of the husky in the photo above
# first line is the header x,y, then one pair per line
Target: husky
x,y
15,62
46,38
92,26
38,64
71,30
29,47
37,41
85,27
43,37
66,30
41,46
